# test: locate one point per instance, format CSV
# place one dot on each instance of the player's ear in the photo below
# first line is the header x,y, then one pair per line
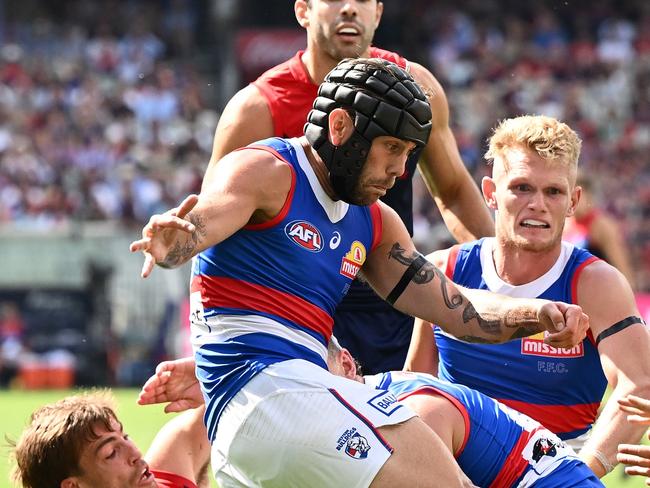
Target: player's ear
x,y
340,126
300,9
575,198
70,482
488,187
348,364
380,10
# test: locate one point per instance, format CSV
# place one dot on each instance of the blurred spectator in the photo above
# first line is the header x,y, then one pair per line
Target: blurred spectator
x,y
95,121
11,342
103,117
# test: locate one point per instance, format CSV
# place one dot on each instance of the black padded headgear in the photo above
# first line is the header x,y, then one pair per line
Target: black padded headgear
x,y
384,101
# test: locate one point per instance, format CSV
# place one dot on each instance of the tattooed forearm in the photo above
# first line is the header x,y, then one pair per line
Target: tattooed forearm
x,y
424,275
518,334
522,332
456,300
492,327
420,271
184,249
477,340
495,327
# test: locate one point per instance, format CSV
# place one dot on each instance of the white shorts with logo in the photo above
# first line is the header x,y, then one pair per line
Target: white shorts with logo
x,y
296,425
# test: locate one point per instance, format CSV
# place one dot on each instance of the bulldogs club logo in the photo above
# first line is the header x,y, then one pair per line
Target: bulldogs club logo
x,y
544,447
305,235
357,447
353,260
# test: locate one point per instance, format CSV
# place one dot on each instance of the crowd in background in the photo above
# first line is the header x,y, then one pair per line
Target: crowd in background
x,y
100,116
111,117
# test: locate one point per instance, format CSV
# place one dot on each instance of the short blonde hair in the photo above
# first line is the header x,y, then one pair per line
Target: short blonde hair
x,y
50,447
551,139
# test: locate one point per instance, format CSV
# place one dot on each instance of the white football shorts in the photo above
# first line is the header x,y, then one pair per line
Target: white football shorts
x,y
296,425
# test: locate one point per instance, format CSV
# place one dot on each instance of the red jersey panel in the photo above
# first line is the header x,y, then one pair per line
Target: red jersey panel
x,y
171,480
290,92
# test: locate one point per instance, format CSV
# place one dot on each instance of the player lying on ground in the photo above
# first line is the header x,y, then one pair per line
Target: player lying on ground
x,y
78,442
494,445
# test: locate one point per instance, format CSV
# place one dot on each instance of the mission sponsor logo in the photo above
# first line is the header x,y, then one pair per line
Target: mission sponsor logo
x,y
305,235
535,346
353,260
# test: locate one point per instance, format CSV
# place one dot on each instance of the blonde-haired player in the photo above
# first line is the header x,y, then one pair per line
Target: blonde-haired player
x,y
532,191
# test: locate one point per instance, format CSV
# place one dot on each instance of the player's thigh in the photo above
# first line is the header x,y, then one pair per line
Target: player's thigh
x,y
419,459
296,425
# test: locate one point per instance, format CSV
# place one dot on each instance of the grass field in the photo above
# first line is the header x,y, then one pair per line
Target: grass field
x,y
141,423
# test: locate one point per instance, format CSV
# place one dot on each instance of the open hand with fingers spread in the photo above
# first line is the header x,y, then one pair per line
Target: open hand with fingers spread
x,y
636,457
174,382
165,237
566,324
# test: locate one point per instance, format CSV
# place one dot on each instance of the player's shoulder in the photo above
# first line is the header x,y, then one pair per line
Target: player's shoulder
x,y
599,282
286,69
258,164
597,270
248,98
425,77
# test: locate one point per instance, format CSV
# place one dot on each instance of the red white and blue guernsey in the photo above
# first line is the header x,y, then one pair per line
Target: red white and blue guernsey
x,y
560,388
267,293
502,448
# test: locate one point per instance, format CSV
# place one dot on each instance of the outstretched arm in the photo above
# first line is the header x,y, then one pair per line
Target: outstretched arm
x,y
181,447
422,355
175,382
415,286
636,457
456,194
249,186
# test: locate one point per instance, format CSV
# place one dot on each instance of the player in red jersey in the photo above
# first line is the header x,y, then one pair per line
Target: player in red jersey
x,y
277,103
78,442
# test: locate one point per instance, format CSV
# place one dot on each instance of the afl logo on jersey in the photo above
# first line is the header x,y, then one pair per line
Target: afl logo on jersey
x,y
305,235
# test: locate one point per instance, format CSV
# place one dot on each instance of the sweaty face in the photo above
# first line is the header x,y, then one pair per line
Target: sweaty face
x,y
113,461
343,29
386,162
533,198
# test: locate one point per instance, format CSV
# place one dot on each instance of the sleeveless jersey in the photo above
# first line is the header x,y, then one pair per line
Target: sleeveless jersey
x,y
268,292
560,388
502,448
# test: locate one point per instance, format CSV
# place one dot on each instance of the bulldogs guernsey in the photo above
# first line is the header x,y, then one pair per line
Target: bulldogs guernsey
x,y
268,292
560,388
290,92
502,448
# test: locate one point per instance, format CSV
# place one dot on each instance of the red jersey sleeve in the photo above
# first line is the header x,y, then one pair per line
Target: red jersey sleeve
x,y
171,480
